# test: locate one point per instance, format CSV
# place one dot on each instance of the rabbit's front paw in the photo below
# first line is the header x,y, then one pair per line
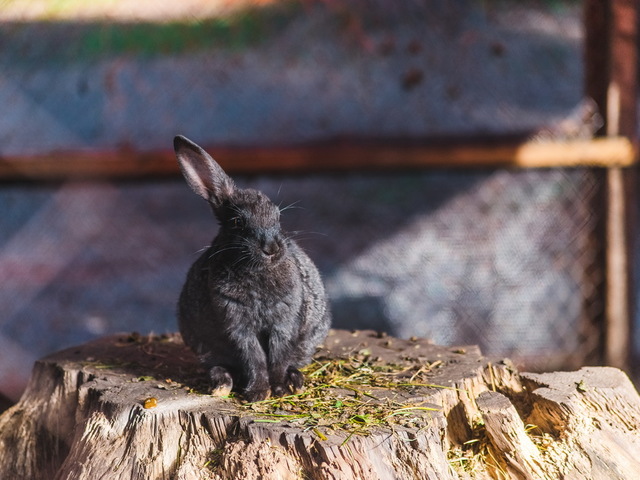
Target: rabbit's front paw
x,y
221,381
255,395
293,381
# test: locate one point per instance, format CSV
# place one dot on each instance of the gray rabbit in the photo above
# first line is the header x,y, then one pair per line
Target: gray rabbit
x,y
253,307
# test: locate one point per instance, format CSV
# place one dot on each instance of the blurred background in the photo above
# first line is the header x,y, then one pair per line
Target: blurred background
x,y
510,259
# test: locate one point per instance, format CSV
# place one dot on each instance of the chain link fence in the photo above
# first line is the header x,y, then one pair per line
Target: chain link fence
x,y
510,260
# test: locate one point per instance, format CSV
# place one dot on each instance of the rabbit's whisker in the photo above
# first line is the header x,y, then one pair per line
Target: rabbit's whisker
x,y
303,235
232,247
291,205
242,258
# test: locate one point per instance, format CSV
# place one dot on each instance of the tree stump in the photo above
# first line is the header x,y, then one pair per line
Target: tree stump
x,y
375,407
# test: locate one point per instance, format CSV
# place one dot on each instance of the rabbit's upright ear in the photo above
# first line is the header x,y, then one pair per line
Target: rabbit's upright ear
x,y
203,174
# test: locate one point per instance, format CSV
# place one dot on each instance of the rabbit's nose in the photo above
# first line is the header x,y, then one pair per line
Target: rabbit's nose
x,y
270,247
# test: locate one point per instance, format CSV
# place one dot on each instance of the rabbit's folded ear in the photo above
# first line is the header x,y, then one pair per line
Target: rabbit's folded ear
x,y
203,174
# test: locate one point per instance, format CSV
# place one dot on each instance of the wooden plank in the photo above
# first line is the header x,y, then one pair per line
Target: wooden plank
x,y
326,156
596,53
611,80
619,287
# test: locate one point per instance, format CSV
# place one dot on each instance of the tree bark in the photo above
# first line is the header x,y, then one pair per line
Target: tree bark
x,y
135,407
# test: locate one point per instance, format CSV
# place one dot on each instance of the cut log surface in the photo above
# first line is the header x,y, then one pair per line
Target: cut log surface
x,y
375,407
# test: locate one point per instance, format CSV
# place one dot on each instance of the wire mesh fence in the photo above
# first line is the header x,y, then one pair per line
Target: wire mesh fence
x,y
510,260
76,76
507,260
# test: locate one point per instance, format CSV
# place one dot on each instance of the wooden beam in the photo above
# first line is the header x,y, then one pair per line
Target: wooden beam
x,y
611,80
327,156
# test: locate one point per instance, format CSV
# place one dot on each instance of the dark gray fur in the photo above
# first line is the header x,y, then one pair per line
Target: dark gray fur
x,y
253,307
